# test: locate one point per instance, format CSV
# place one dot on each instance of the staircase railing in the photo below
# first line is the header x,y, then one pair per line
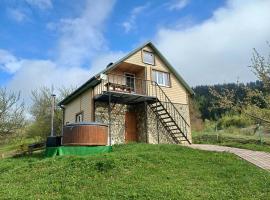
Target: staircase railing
x,y
171,109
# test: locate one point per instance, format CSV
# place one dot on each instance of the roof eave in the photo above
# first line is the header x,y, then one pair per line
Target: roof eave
x,y
78,91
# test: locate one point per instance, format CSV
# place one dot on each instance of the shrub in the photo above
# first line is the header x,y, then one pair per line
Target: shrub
x,y
239,121
209,126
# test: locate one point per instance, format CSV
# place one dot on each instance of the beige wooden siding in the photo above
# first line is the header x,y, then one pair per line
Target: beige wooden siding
x,y
70,110
83,103
177,93
136,59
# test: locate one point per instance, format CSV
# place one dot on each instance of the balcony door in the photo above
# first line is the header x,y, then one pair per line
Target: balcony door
x,y
130,82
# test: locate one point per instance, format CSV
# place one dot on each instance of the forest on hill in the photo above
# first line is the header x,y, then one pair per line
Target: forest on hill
x,y
205,100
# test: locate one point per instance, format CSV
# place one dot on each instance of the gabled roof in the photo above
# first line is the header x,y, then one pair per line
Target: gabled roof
x,y
93,81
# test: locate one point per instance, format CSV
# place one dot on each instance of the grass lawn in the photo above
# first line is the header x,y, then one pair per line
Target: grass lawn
x,y
238,140
134,171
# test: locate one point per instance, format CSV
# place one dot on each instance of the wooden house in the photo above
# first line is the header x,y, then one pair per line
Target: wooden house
x,y
141,97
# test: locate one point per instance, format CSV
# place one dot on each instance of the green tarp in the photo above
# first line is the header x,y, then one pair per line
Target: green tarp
x,y
76,150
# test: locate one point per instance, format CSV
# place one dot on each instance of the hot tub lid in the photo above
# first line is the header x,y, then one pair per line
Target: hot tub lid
x,y
87,124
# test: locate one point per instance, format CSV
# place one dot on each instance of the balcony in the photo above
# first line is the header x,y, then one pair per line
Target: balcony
x,y
124,89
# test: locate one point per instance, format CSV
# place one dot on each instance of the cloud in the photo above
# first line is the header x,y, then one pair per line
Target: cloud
x,y
8,62
33,74
20,13
82,37
41,4
130,23
101,61
16,14
81,52
219,49
178,4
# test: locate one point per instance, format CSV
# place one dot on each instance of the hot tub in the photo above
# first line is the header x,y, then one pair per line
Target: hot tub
x,y
85,134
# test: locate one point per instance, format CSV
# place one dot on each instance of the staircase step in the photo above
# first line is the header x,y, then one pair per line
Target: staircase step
x,y
166,117
163,114
160,110
177,134
176,129
163,117
166,113
170,127
171,122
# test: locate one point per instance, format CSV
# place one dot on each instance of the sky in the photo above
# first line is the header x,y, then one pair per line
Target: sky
x,y
64,43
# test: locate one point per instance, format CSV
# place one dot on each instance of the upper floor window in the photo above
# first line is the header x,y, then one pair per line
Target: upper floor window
x,y
148,57
162,78
79,117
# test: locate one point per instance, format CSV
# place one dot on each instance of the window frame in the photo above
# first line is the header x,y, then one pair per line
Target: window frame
x,y
77,114
154,59
128,74
164,72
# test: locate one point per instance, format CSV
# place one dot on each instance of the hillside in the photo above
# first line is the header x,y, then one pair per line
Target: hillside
x,y
205,100
135,171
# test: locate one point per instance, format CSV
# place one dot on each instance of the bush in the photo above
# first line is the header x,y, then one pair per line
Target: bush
x,y
209,126
238,121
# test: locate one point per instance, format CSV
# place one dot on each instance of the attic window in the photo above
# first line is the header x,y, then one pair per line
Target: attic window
x,y
148,58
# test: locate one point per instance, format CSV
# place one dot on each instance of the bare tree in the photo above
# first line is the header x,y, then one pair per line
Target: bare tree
x,y
11,112
261,68
65,91
41,111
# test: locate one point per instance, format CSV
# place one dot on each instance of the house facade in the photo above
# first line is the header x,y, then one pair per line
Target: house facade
x,y
141,97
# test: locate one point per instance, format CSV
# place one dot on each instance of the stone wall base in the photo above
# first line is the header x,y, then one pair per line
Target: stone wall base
x,y
149,129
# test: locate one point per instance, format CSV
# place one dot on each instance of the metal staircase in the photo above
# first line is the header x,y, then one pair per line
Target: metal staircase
x,y
169,116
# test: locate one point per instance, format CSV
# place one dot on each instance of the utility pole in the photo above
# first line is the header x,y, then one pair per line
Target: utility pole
x,y
52,113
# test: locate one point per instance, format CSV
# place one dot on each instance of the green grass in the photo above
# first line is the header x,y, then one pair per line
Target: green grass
x,y
234,139
135,171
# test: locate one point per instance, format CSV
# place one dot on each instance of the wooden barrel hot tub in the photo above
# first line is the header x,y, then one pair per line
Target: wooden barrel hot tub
x,y
85,134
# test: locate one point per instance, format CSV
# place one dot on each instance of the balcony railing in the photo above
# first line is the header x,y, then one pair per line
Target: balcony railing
x,y
124,84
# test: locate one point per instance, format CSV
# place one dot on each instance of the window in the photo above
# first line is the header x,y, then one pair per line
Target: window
x,y
79,117
130,81
148,58
162,78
